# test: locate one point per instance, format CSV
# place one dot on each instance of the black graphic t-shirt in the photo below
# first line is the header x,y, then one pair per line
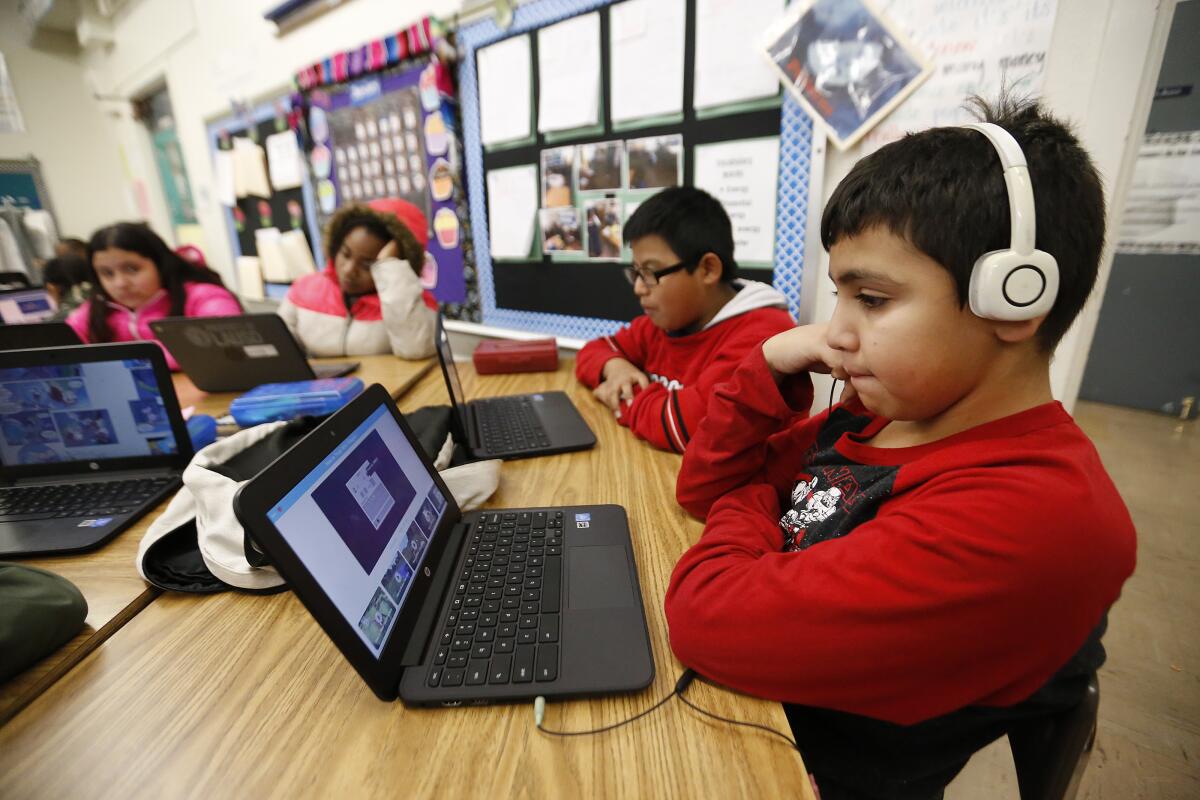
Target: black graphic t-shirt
x,y
835,495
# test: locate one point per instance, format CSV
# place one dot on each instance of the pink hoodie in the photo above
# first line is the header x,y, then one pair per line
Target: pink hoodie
x,y
203,300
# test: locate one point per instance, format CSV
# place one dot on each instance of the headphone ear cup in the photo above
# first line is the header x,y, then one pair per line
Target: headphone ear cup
x,y
1010,286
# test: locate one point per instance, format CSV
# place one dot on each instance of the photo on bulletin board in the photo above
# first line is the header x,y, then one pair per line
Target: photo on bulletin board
x,y
655,162
601,165
558,169
390,135
561,230
845,62
603,218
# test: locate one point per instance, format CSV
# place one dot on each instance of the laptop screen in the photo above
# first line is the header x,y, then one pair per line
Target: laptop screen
x,y
456,391
89,411
27,305
361,523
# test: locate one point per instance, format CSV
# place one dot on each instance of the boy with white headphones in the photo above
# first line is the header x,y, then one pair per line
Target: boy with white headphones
x,y
958,579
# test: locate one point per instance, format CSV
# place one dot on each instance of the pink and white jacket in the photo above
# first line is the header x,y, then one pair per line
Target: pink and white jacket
x,y
399,318
202,300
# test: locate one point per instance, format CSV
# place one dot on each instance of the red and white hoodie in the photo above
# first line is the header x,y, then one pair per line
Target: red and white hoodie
x,y
685,368
399,318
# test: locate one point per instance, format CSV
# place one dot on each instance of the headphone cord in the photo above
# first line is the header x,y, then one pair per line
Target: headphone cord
x,y
832,386
539,709
681,686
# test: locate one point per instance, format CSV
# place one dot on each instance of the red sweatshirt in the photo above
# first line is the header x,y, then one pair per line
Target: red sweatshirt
x,y
684,368
897,584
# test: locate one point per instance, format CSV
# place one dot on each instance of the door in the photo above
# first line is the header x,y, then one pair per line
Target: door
x,y
1146,350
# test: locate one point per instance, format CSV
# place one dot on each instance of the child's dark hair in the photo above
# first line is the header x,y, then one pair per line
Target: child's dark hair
x,y
74,246
173,271
691,221
943,190
65,272
387,227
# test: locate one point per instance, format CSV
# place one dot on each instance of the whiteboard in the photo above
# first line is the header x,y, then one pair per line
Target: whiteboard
x,y
977,47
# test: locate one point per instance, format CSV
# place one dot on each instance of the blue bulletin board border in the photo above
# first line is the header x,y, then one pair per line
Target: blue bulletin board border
x,y
791,219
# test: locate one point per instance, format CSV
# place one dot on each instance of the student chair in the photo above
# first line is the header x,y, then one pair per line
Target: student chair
x,y
1051,753
13,280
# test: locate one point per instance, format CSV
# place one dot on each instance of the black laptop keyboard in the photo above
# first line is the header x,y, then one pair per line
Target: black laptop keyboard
x,y
18,503
503,623
509,425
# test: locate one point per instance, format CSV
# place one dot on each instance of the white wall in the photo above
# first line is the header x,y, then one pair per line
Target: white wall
x,y
65,129
209,52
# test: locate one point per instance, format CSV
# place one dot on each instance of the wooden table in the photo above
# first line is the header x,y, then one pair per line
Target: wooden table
x,y
242,695
108,577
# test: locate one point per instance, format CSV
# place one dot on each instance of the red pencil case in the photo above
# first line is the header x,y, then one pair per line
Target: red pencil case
x,y
501,355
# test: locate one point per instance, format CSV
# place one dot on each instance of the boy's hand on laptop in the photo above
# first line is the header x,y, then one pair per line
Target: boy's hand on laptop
x,y
622,380
802,349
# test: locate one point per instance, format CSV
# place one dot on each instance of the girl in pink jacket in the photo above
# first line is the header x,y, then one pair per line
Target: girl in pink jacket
x,y
368,300
136,278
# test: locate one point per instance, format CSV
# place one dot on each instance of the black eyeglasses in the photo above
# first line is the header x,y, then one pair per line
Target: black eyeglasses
x,y
650,277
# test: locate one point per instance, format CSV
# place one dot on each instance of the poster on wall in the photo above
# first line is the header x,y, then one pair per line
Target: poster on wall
x,y
845,62
977,48
391,135
259,208
1162,210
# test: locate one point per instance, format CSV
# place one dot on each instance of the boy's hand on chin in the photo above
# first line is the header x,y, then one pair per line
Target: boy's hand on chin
x,y
802,349
622,380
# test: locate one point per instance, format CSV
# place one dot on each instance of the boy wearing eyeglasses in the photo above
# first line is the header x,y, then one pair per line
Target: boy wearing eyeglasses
x,y
700,320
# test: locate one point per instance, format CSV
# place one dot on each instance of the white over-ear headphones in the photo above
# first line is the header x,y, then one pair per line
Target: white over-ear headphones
x,y
1020,282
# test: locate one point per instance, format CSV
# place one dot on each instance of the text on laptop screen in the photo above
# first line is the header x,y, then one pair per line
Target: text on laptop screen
x,y
456,391
91,411
33,305
361,523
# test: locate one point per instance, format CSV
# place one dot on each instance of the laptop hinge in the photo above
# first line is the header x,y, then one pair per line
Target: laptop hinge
x,y
92,477
426,625
473,437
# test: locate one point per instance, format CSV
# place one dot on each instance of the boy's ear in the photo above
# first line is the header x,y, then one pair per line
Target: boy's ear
x,y
709,269
1018,331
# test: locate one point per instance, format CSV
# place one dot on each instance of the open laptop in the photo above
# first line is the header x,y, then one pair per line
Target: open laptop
x,y
515,426
436,606
21,305
37,334
91,439
234,354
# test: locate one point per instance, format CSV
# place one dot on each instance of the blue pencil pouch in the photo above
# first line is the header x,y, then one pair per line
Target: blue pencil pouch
x,y
272,402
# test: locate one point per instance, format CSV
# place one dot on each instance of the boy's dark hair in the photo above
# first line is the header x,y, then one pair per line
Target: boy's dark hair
x,y
174,271
691,221
943,190
65,272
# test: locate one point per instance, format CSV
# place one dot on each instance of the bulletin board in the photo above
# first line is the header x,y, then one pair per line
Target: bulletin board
x,y
288,209
393,133
588,296
21,184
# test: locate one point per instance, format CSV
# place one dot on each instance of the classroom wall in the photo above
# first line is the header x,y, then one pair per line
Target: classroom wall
x,y
1096,62
208,51
83,175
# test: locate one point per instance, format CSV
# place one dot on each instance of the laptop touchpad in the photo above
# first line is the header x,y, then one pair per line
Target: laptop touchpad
x,y
598,577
